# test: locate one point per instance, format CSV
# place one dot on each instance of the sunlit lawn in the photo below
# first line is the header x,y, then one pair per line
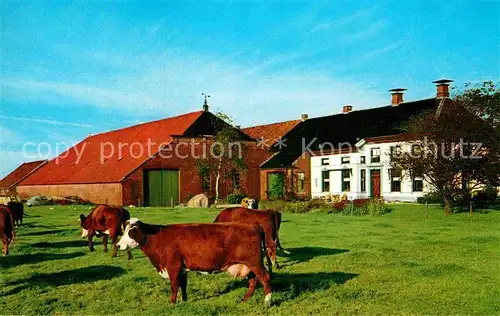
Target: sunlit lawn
x,y
398,263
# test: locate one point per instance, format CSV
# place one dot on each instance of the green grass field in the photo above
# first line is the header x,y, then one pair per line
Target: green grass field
x,y
398,263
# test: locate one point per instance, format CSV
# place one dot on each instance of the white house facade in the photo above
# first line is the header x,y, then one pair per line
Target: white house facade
x,y
365,171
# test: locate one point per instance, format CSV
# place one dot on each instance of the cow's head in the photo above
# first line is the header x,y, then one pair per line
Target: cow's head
x,y
132,236
250,203
85,232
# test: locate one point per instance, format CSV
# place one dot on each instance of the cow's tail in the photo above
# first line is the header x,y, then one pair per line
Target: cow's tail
x,y
125,216
277,224
263,247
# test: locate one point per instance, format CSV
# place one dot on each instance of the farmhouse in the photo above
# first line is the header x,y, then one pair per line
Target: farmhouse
x,y
154,164
8,184
348,153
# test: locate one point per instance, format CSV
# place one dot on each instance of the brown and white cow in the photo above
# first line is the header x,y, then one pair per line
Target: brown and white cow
x,y
17,211
175,249
7,233
269,220
106,221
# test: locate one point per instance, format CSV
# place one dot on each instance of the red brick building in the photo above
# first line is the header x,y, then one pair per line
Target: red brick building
x,y
154,163
9,183
293,177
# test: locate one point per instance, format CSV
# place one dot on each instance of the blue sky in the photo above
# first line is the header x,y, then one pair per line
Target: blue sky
x,y
70,69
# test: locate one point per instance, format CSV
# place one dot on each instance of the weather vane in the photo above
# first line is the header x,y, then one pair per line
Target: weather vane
x,y
205,104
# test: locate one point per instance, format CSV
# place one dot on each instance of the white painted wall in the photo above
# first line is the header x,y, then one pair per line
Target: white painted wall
x,y
335,166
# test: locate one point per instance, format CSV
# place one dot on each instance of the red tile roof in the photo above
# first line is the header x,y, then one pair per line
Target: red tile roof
x,y
20,173
93,167
271,132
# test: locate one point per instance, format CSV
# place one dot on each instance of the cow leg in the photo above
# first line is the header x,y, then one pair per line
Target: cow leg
x,y
265,279
252,282
91,244
129,254
183,283
5,245
174,276
114,240
105,242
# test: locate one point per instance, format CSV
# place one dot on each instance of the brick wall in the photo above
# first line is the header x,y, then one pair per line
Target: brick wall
x,y
99,193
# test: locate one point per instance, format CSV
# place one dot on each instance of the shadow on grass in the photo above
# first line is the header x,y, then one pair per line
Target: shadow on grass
x,y
304,254
34,225
12,261
61,244
291,285
49,232
75,276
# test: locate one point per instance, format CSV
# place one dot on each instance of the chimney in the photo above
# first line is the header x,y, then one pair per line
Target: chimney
x,y
397,96
304,117
238,126
346,109
442,88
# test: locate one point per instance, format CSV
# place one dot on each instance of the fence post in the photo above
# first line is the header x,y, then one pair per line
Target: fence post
x,y
172,202
426,210
138,202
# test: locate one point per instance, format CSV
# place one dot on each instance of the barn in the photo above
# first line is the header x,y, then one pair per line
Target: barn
x,y
8,184
152,164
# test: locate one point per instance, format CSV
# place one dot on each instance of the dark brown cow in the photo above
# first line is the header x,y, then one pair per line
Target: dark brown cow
x,y
269,220
174,249
106,221
17,211
7,233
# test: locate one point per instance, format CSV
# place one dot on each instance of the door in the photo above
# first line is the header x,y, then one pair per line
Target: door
x,y
375,183
275,185
162,187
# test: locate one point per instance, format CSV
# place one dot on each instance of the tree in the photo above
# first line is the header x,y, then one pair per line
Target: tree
x,y
457,146
225,157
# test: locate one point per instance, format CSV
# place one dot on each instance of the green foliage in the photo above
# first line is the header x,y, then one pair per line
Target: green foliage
x,y
419,264
277,190
296,207
400,263
235,198
432,197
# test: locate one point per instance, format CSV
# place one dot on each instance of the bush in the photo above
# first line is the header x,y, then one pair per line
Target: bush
x,y
432,197
345,207
277,205
488,194
378,207
296,207
235,198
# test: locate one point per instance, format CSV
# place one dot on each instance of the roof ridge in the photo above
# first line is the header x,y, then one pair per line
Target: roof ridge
x,y
289,121
145,123
374,108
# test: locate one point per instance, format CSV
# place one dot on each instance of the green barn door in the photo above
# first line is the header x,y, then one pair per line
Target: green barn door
x,y
163,187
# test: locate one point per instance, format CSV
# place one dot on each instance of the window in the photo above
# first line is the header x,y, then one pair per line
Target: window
x,y
395,152
346,180
235,179
417,182
396,180
363,180
345,160
362,159
325,176
301,182
416,150
375,153
324,161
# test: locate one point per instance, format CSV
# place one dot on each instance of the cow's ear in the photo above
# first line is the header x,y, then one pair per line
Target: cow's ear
x,y
136,234
82,218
